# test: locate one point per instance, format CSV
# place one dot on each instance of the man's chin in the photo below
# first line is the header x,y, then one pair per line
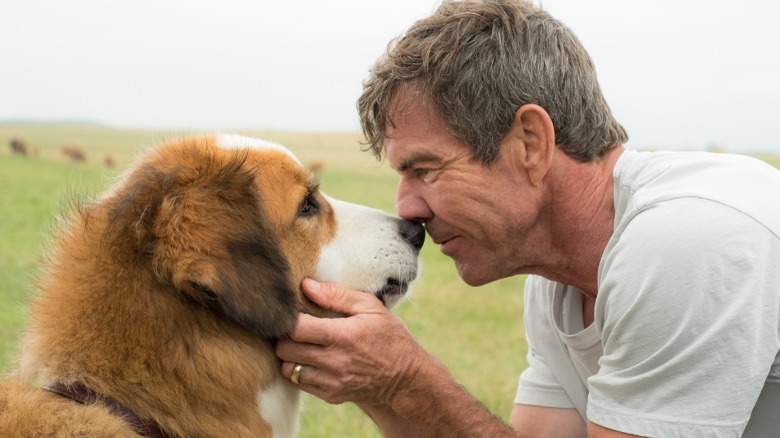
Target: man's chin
x,y
472,275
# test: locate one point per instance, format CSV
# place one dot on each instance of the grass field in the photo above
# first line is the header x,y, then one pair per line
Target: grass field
x,y
477,333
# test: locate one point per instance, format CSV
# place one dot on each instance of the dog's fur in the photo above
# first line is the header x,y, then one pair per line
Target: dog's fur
x,y
167,292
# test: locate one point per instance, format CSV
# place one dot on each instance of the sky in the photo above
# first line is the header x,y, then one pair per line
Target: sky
x,y
678,74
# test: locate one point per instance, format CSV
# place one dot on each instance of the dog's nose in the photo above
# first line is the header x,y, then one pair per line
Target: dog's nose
x,y
413,232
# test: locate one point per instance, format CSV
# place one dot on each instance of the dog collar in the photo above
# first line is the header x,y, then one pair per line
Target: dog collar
x,y
82,394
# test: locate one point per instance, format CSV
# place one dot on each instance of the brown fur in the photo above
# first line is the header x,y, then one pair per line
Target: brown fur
x,y
60,420
165,294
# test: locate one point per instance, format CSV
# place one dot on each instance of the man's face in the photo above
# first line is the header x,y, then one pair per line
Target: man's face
x,y
478,215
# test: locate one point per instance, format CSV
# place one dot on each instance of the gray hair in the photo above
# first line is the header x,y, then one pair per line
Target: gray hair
x,y
478,61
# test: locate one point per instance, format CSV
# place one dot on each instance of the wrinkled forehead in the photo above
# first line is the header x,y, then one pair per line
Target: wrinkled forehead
x,y
234,141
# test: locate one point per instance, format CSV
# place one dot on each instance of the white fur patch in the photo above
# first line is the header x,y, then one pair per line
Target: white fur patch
x,y
366,251
235,141
279,406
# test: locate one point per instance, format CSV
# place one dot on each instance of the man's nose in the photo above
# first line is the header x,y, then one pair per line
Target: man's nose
x,y
410,202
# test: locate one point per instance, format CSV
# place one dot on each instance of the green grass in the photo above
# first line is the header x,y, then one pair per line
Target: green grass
x,y
477,333
771,159
32,192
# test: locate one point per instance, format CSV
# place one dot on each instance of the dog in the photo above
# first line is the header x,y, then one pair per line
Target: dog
x,y
160,301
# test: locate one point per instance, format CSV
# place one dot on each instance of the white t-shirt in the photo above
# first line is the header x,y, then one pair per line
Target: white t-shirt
x,y
687,318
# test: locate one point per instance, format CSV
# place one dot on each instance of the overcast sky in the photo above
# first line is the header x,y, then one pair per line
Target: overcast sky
x,y
678,74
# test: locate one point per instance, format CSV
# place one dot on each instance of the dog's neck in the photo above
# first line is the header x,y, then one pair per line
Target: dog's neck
x,y
86,396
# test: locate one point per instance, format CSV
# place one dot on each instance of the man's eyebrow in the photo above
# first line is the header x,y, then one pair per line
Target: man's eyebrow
x,y
416,160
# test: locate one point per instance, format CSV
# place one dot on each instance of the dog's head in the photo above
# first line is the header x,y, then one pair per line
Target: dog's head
x,y
234,224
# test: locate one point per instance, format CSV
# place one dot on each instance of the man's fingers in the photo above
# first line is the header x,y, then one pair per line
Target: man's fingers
x,y
306,374
331,296
312,330
311,379
301,351
333,356
294,371
315,381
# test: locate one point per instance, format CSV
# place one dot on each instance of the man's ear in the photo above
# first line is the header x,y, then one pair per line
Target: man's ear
x,y
531,141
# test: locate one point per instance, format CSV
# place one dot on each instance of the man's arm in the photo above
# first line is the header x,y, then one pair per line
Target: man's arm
x,y
464,417
389,422
544,422
436,405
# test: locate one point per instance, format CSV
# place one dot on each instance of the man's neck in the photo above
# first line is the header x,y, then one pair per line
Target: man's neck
x,y
582,218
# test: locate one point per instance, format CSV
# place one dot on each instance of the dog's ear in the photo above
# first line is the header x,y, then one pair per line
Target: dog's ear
x,y
200,226
249,283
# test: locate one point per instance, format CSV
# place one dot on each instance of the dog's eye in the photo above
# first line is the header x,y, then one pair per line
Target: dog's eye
x,y
309,206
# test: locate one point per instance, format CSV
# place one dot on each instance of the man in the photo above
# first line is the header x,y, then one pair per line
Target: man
x,y
654,304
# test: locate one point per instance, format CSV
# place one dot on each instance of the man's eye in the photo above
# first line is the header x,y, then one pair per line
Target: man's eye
x,y
309,207
421,172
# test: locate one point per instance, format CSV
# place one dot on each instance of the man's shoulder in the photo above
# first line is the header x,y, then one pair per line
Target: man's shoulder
x,y
644,181
726,178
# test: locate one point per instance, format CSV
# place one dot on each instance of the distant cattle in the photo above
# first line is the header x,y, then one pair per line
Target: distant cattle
x,y
109,161
75,153
18,147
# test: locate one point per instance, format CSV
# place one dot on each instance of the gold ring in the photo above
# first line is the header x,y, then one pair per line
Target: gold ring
x,y
296,374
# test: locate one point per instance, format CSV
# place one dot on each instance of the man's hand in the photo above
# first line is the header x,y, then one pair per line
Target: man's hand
x,y
365,357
